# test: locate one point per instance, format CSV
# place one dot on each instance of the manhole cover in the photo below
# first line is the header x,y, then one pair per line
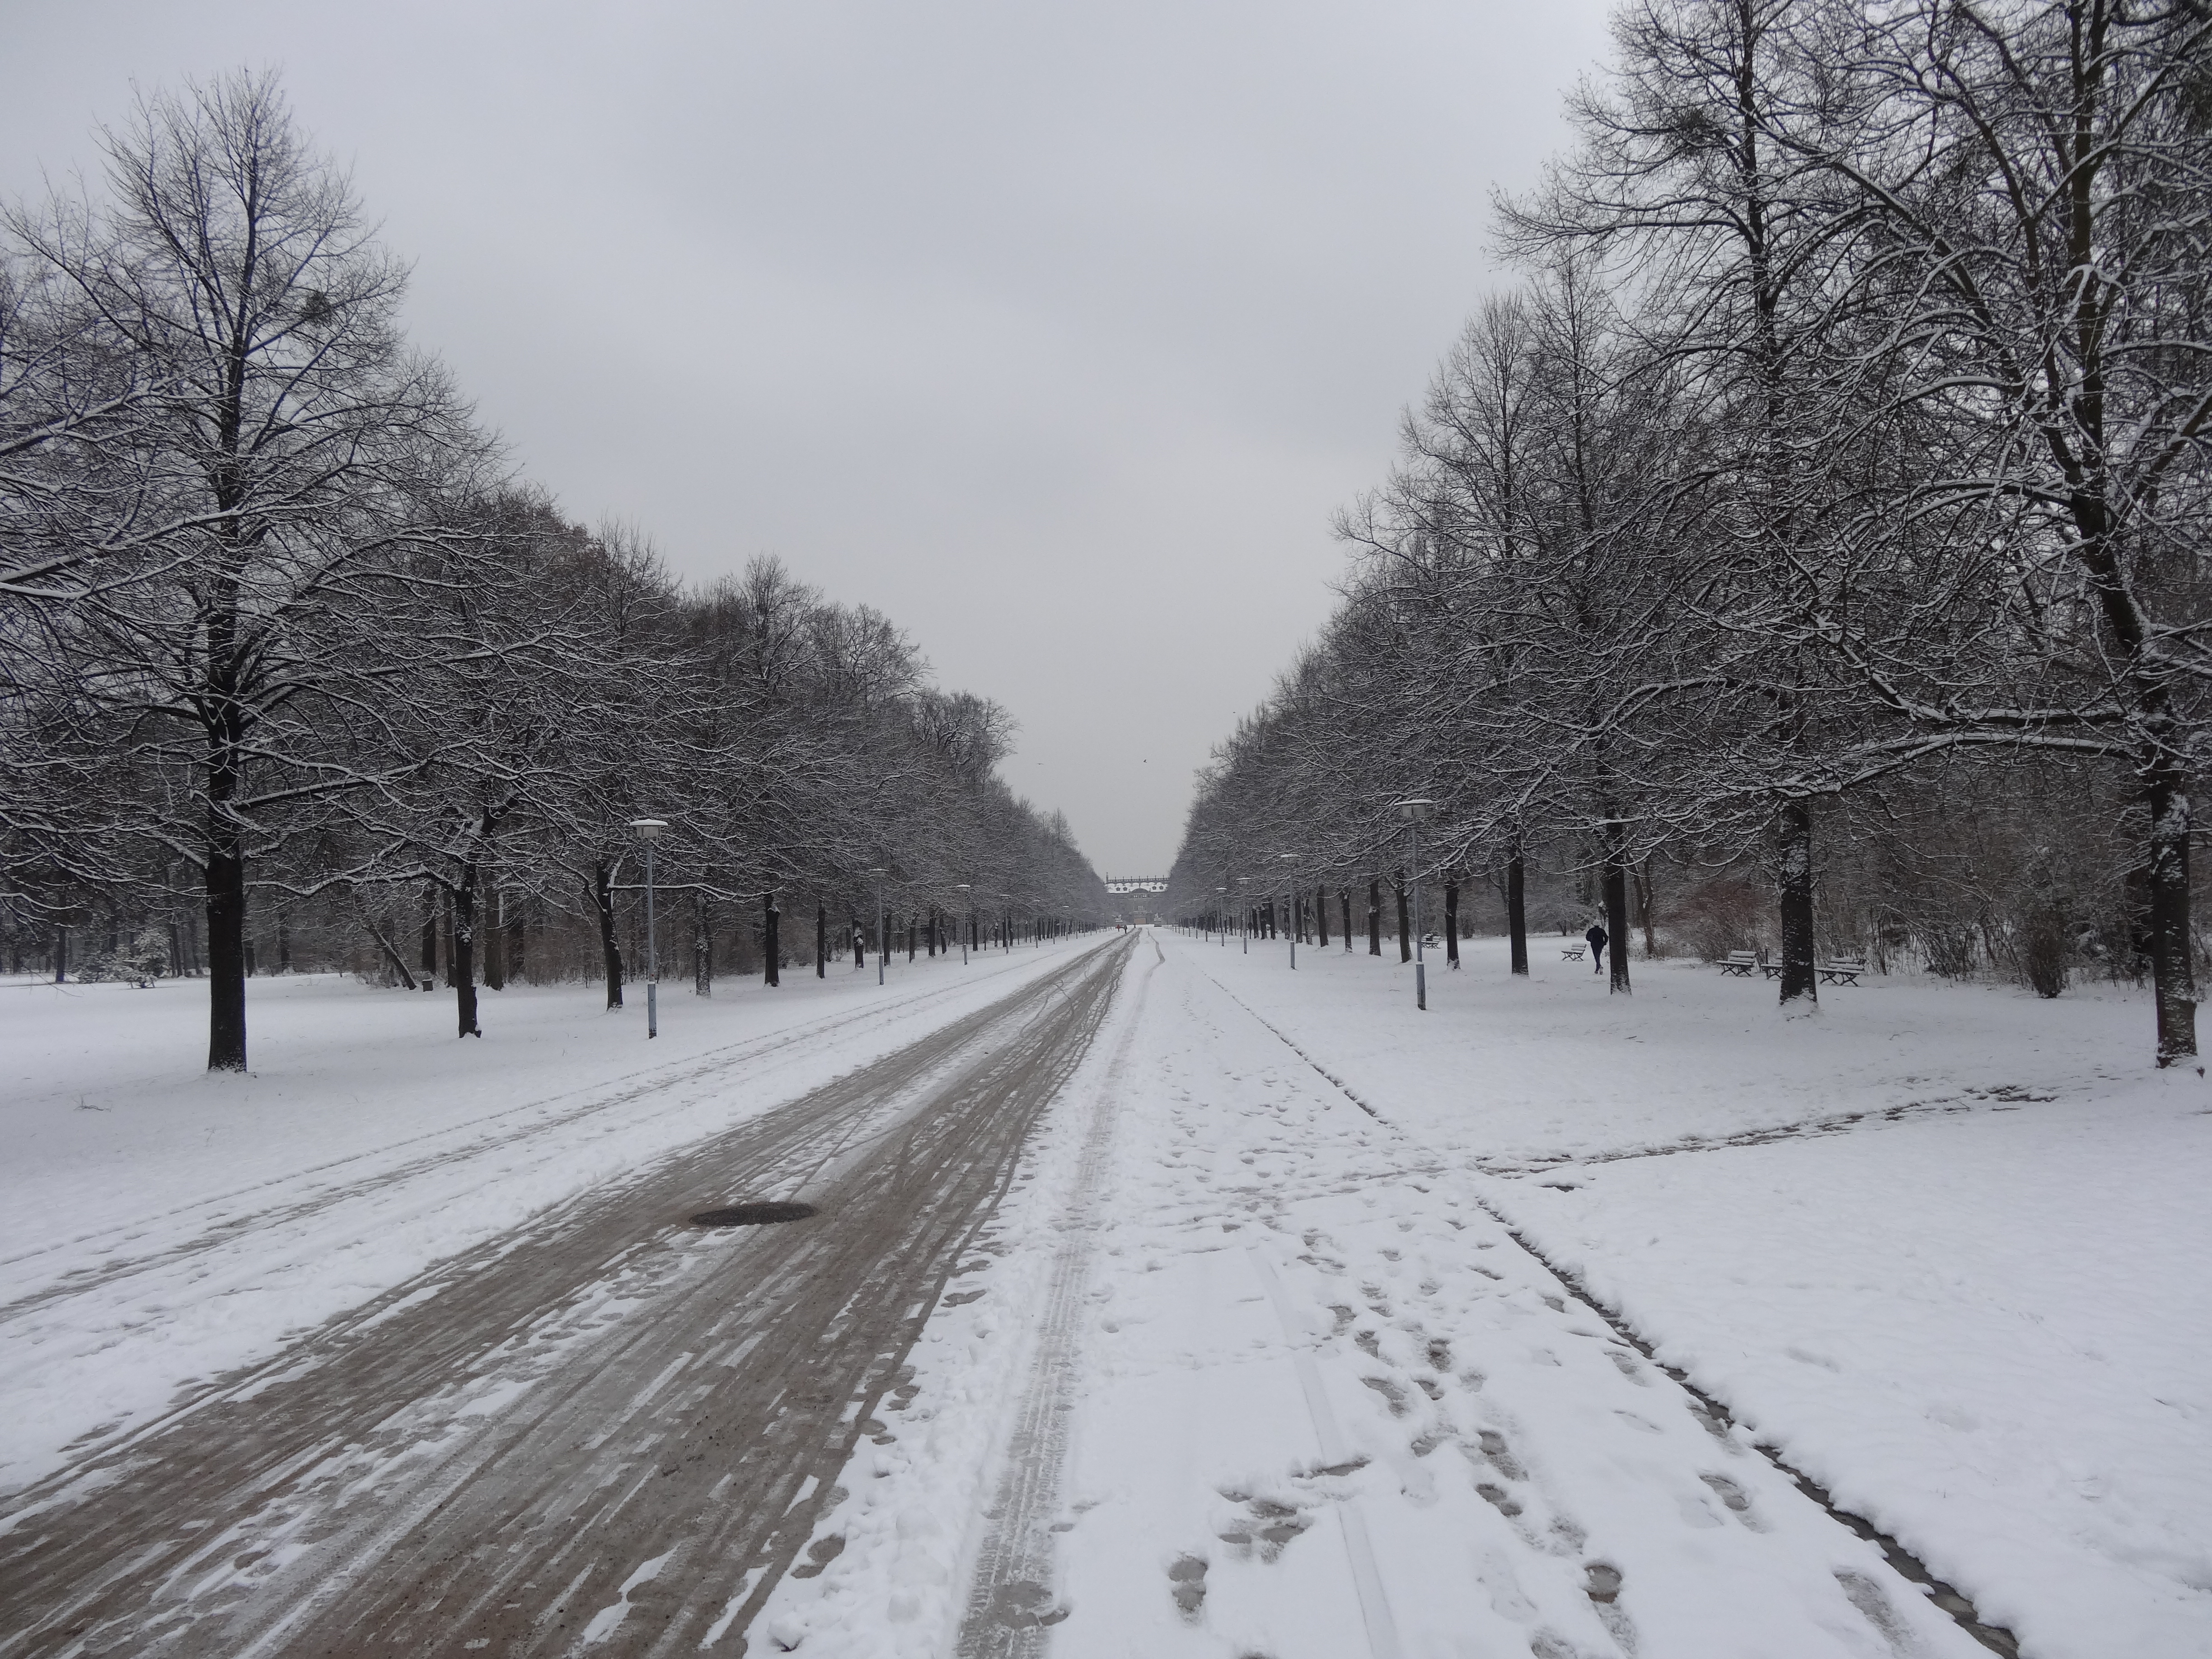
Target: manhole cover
x,y
751,1215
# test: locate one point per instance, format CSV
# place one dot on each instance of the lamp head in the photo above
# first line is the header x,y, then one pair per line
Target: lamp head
x,y
649,828
1419,809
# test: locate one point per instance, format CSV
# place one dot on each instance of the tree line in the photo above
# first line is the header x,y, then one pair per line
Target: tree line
x,y
1823,502
282,636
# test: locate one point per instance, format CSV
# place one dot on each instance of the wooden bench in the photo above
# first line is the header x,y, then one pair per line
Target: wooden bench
x,y
1571,953
1739,962
1842,971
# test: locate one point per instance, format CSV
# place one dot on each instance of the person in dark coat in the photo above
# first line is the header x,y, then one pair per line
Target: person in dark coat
x,y
1596,938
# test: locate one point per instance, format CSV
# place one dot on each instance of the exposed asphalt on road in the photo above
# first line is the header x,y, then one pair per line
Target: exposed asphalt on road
x,y
611,1427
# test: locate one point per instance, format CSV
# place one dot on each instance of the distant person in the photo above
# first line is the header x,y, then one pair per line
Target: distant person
x,y
1596,938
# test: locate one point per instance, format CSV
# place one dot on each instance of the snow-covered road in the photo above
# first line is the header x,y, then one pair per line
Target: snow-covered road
x,y
1267,1379
1238,1313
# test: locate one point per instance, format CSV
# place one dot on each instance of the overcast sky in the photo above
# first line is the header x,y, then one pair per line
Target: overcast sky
x,y
1055,330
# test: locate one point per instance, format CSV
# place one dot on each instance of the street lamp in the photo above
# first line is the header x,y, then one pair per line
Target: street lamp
x,y
1416,810
650,830
968,925
1221,915
1291,859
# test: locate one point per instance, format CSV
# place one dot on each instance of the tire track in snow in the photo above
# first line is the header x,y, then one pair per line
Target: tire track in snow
x,y
1011,1606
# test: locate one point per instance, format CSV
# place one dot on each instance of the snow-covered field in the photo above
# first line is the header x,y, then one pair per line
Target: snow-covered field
x,y
159,1226
1253,1361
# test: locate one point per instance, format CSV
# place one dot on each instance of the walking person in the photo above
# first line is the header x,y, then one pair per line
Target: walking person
x,y
1596,938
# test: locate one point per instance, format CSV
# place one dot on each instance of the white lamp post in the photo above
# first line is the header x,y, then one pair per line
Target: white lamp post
x,y
968,923
1416,810
883,935
650,830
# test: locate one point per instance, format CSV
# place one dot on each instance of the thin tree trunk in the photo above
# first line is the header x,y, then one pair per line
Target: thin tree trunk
x,y
2173,975
1616,906
702,945
1375,915
1405,917
1645,918
859,946
1516,908
428,958
821,939
1452,923
1321,918
494,935
465,952
1794,835
772,938
603,905
390,952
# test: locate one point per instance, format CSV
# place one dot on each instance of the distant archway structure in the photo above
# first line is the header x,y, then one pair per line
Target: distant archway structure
x,y
1136,883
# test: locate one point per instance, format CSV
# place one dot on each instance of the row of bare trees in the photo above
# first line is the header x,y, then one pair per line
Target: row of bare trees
x,y
1841,454
278,624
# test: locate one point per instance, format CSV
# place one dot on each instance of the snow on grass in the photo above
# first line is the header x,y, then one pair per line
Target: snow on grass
x,y
160,1227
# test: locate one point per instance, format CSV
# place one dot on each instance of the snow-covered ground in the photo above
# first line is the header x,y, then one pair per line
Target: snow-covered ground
x,y
1318,1401
160,1227
1252,1361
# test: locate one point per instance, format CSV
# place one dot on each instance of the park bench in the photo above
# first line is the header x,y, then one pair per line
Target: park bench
x,y
1842,971
1739,962
1570,952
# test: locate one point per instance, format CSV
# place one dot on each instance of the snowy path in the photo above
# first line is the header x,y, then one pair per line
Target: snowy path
x,y
1295,1392
608,1425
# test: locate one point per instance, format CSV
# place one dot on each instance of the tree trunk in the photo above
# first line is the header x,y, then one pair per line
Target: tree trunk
x,y
465,952
1405,918
1321,918
1516,909
1794,835
1452,923
283,945
226,949
821,939
1344,904
517,938
1375,915
702,946
859,946
1616,908
1645,918
772,938
603,905
2174,976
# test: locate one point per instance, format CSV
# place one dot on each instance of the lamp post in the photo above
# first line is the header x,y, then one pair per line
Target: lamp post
x,y
1290,861
883,939
968,923
1417,811
650,830
1221,915
1244,915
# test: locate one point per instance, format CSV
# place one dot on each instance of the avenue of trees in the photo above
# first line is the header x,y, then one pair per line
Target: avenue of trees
x,y
294,671
1821,516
